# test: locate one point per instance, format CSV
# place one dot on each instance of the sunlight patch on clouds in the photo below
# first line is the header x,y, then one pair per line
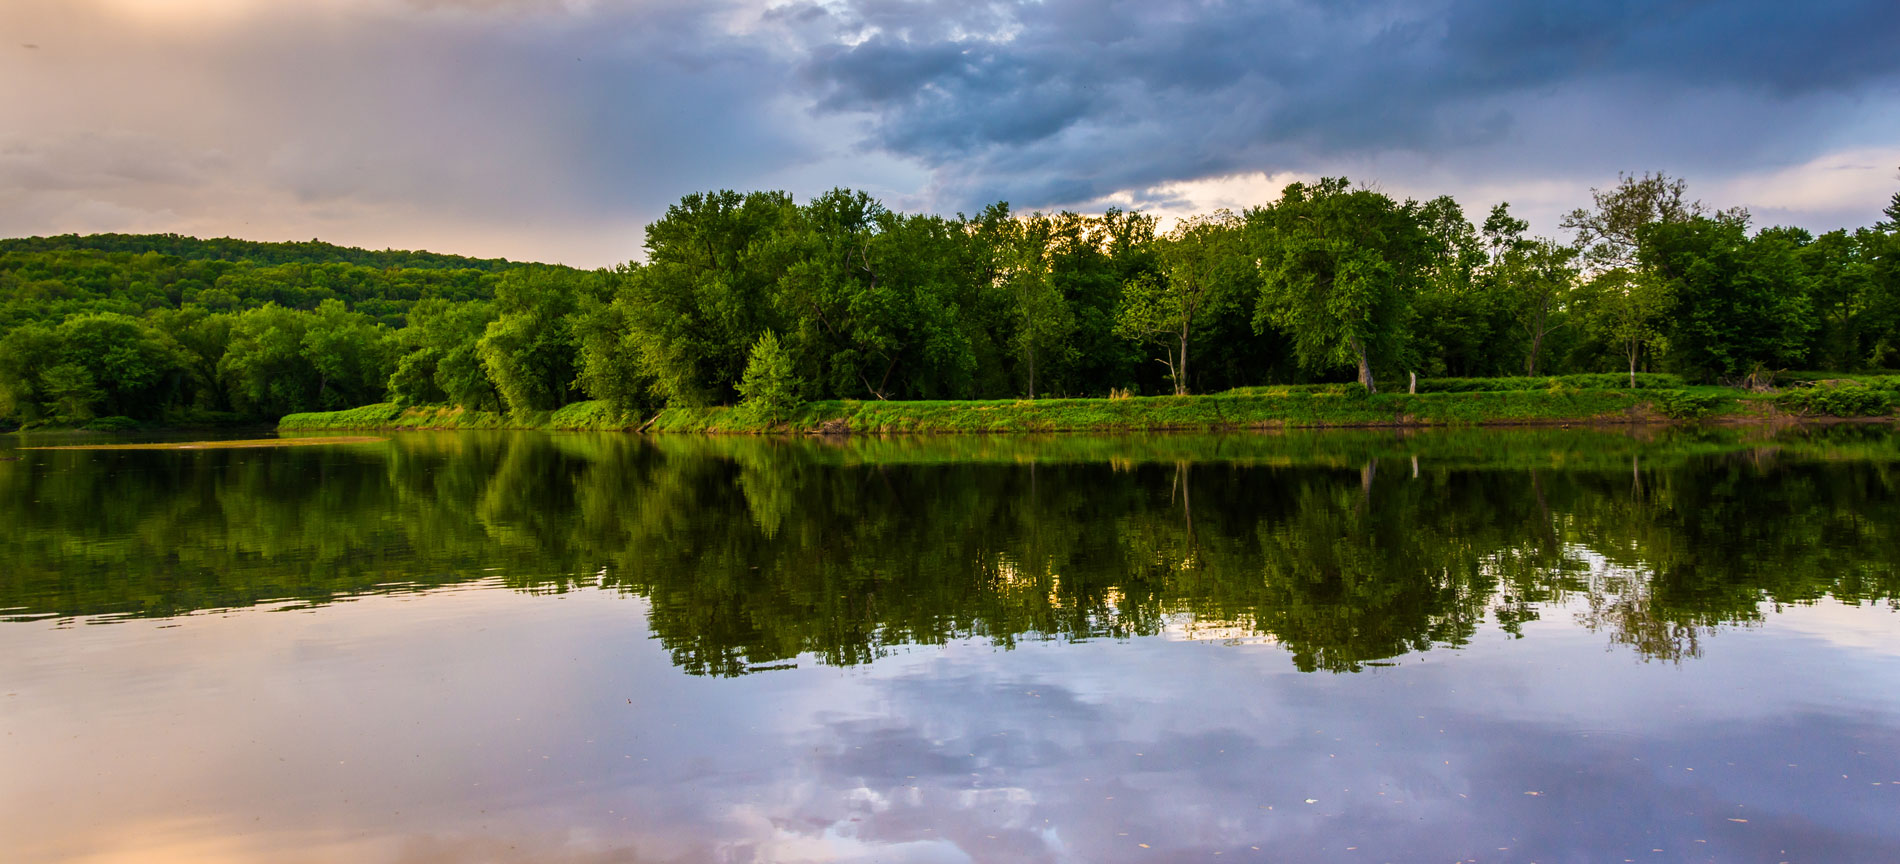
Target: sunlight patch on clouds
x,y
1849,182
1172,202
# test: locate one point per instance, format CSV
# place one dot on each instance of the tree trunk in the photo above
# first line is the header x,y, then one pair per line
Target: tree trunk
x,y
1537,345
1180,372
1365,365
1032,373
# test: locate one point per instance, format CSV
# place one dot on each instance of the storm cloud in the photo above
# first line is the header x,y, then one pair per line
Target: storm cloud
x,y
551,129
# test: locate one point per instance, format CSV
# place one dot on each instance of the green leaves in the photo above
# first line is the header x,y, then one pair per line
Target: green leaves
x,y
1339,268
1739,301
770,387
871,304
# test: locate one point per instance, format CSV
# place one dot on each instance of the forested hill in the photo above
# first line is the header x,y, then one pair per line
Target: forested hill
x,y
47,280
255,252
176,329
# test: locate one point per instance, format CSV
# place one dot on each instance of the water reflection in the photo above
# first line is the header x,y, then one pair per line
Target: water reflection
x,y
480,725
1347,549
470,647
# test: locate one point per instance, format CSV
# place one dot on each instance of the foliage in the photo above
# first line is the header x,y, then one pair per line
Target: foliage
x,y
529,350
1850,400
845,551
1739,302
440,360
1685,404
769,389
1203,273
1328,284
1609,233
1581,381
1626,309
1339,267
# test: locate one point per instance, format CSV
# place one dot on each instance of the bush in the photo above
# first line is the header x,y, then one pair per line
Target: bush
x,y
1685,405
1585,381
112,424
1850,400
1344,389
769,389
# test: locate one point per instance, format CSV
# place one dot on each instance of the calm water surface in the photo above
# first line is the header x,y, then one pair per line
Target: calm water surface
x,y
1480,646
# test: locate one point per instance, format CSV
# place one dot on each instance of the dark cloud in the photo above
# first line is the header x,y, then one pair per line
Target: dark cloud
x,y
1066,100
578,118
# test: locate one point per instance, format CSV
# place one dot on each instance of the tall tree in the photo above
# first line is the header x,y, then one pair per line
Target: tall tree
x,y
1203,268
127,362
1607,231
26,353
529,349
704,296
1458,323
1626,308
1037,319
353,356
441,357
1740,302
1339,268
1536,280
265,368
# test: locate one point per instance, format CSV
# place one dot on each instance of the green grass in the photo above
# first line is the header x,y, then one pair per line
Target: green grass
x,y
1323,406
389,415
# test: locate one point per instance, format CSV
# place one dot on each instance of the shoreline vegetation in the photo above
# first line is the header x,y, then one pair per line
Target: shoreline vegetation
x,y
224,444
1332,305
1262,408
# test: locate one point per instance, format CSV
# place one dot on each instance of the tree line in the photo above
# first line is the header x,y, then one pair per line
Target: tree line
x,y
756,297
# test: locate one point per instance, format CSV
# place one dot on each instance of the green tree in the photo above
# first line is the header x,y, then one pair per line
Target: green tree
x,y
200,338
264,368
610,363
26,353
1203,271
529,350
1626,309
1457,325
440,358
704,295
1607,233
1536,279
352,355
1040,319
1740,302
1339,269
1840,282
871,296
769,388
70,393
129,363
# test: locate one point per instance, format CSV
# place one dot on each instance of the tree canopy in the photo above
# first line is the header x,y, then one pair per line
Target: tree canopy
x,y
1329,282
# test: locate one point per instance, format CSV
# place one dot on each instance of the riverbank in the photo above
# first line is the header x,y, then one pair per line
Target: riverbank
x,y
1257,408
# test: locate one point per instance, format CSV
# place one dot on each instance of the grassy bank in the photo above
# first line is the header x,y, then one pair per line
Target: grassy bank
x,y
1255,408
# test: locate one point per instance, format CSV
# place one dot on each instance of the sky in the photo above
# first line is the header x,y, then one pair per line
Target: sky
x,y
553,130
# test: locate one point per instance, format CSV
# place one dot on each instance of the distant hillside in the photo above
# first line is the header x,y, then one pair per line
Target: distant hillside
x,y
268,254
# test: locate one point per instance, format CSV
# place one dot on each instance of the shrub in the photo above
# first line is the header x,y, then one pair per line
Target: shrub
x,y
1584,381
1685,405
769,388
1850,400
112,424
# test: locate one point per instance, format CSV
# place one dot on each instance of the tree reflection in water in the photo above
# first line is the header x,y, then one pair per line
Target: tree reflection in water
x,y
1345,548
